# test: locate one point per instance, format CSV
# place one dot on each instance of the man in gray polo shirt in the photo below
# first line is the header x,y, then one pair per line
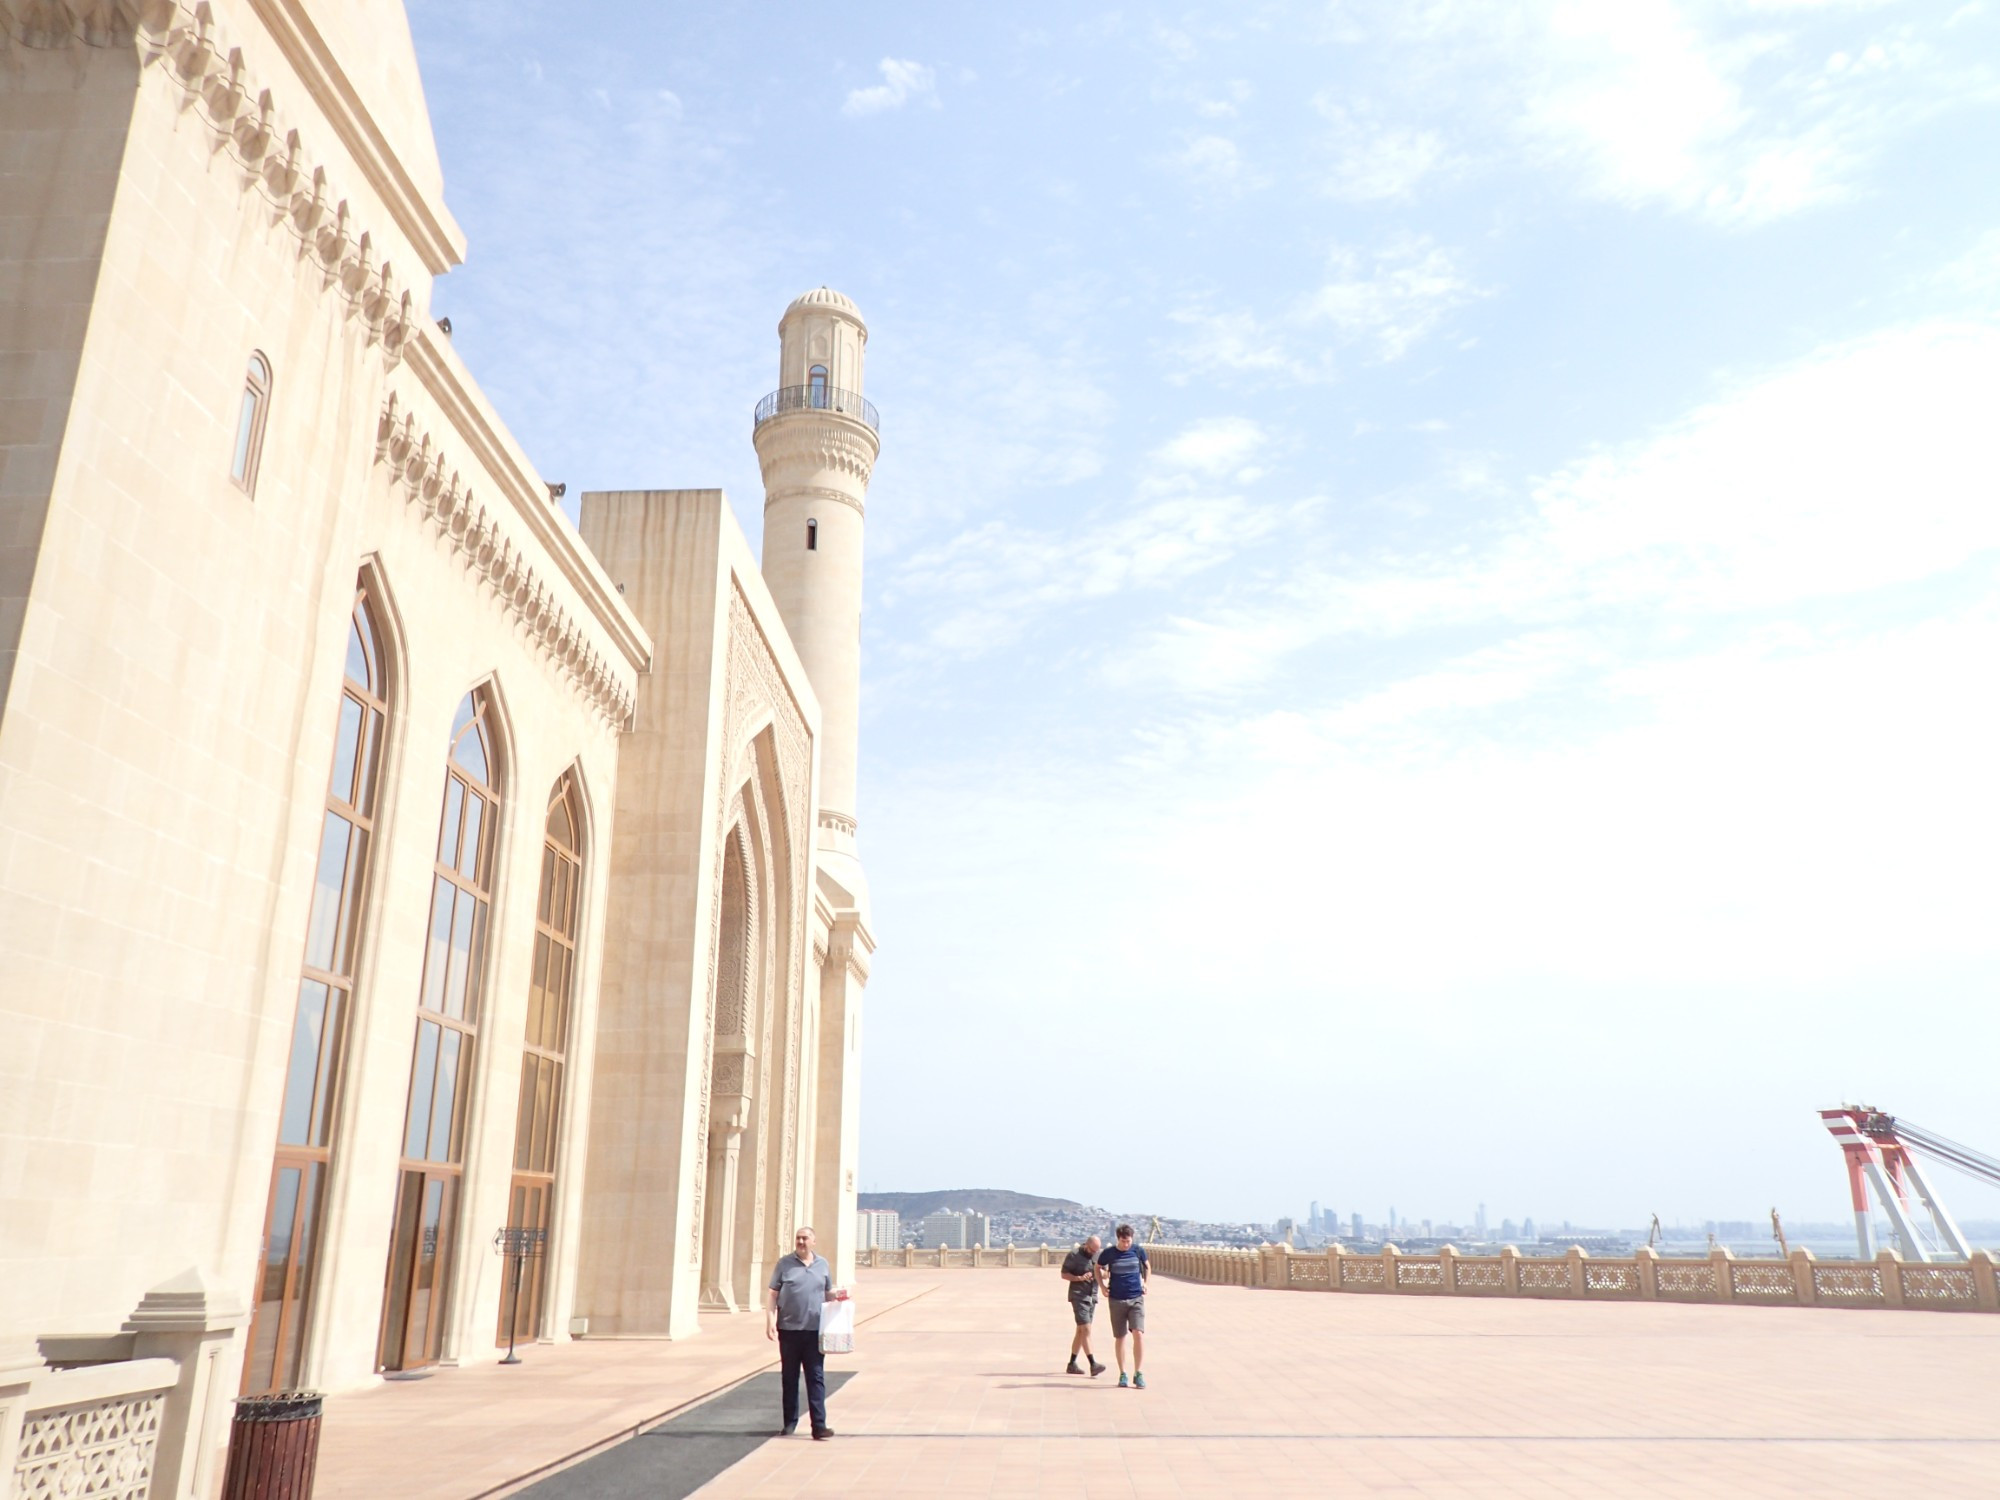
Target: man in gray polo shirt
x,y
800,1284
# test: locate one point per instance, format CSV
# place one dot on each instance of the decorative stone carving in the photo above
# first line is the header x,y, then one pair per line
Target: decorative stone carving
x,y
1847,1283
729,1073
1938,1284
429,481
1610,1279
1763,1281
102,1450
1483,1275
1544,1276
1695,1280
49,25
842,445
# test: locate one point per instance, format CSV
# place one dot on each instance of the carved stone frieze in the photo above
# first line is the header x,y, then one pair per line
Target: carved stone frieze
x,y
832,496
429,482
786,444
215,87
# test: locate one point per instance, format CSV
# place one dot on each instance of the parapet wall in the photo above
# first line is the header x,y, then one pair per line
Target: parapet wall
x,y
1645,1276
1798,1280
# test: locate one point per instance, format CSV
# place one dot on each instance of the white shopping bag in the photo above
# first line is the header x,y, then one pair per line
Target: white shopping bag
x,y
836,1327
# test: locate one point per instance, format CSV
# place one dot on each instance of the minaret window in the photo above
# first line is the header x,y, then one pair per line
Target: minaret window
x,y
812,536
250,423
816,385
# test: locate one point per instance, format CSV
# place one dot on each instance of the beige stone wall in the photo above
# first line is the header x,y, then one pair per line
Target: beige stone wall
x,y
166,740
65,131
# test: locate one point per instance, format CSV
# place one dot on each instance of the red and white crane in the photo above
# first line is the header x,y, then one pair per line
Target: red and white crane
x,y
1883,1150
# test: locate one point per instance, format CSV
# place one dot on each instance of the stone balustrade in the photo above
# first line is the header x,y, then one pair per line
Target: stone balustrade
x,y
945,1259
140,1414
1798,1280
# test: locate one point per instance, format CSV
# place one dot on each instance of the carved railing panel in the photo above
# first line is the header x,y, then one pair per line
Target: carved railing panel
x,y
1938,1284
101,1450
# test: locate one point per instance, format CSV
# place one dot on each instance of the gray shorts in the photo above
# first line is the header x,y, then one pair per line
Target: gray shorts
x,y
1085,1309
1128,1317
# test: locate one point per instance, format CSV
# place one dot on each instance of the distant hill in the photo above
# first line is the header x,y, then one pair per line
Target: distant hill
x,y
988,1201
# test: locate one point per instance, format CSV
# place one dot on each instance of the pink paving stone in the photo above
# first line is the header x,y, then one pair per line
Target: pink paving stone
x,y
959,1391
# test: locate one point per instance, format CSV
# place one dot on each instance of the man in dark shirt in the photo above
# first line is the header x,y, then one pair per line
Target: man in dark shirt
x,y
800,1284
1126,1274
1079,1269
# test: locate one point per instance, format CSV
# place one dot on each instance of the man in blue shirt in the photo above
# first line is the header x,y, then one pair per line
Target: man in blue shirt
x,y
800,1284
1128,1272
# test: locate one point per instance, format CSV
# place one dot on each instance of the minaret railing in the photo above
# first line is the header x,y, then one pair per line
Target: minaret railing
x,y
816,398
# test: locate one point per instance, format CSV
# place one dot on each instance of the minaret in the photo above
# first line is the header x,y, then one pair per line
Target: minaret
x,y
816,443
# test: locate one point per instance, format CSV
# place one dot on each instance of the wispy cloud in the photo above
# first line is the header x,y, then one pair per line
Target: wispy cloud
x,y
1369,160
987,584
1393,297
1238,342
902,83
1213,163
1739,117
1862,469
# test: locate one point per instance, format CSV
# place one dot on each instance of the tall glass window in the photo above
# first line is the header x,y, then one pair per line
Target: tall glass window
x,y
420,1247
816,385
544,1050
319,1029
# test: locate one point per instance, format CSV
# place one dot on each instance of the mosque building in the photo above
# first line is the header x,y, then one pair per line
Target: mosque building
x,y
386,862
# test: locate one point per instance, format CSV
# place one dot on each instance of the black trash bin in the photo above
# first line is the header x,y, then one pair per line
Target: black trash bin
x,y
273,1447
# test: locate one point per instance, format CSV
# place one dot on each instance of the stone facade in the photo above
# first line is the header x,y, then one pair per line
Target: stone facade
x,y
258,521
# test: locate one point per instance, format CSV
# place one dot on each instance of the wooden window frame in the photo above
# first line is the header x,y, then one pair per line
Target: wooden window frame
x,y
545,1054
463,791
358,806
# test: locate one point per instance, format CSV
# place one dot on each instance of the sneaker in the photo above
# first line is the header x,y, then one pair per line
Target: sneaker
x,y
1122,1381
1138,1382
1095,1369
1072,1368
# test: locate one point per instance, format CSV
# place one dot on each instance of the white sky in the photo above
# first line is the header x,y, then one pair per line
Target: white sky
x,y
1434,579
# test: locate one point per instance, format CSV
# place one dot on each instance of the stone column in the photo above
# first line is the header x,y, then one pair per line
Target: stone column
x,y
718,1291
188,1320
20,1363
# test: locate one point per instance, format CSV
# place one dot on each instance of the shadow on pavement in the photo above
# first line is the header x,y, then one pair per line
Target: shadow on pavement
x,y
683,1453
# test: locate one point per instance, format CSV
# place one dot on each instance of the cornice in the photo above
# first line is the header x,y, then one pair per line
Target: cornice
x,y
432,483
446,380
814,492
826,440
431,228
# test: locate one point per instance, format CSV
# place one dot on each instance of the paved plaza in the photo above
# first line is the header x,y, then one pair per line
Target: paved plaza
x,y
956,1391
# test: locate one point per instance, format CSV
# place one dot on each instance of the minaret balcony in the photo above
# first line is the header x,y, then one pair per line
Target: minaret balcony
x,y
817,398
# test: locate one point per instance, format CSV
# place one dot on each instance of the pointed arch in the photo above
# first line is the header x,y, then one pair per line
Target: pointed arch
x,y
450,1002
545,1047
315,1075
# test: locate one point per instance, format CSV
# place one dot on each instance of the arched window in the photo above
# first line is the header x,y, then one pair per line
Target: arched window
x,y
421,1245
250,423
319,1029
544,1050
812,536
816,386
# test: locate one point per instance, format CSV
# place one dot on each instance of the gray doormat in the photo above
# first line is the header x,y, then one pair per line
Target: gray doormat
x,y
684,1452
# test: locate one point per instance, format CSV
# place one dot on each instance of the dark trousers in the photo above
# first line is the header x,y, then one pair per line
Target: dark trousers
x,y
798,1349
